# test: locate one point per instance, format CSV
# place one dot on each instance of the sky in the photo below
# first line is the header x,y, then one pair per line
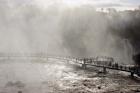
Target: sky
x,y
118,4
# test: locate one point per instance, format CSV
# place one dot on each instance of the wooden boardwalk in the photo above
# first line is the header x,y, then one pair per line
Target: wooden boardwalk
x,y
102,62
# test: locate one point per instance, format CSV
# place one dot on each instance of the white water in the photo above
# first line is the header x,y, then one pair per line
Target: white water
x,y
31,76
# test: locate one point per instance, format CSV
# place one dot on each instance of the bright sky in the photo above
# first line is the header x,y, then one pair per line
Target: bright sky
x,y
118,4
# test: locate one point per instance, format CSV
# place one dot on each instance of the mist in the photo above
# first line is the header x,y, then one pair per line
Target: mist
x,y
67,31
27,28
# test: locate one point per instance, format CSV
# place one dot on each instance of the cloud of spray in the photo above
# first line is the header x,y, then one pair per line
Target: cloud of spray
x,y
126,26
88,33
61,30
29,29
83,31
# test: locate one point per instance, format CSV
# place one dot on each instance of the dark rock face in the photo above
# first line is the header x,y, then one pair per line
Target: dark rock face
x,y
136,58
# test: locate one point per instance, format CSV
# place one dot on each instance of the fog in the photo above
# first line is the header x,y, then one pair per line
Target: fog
x,y
78,31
